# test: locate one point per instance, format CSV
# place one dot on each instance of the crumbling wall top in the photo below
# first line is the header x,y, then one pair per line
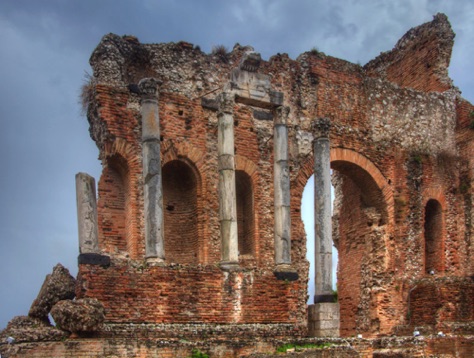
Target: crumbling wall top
x,y
420,59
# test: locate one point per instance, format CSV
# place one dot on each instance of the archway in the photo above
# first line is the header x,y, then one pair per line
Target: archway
x,y
114,209
433,234
245,213
307,215
361,211
180,213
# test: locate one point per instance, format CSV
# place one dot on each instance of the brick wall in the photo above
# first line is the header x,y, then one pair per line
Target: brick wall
x,y
401,144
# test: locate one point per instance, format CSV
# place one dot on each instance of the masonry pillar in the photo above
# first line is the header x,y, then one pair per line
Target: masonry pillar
x,y
226,167
322,212
323,316
153,190
281,184
87,214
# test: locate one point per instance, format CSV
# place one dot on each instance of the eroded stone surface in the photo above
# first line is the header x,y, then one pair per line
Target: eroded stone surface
x,y
30,329
57,286
82,315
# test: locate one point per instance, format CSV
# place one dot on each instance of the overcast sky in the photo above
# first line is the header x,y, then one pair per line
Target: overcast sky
x,y
45,48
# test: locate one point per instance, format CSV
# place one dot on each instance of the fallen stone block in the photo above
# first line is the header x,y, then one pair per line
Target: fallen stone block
x,y
82,315
57,286
30,329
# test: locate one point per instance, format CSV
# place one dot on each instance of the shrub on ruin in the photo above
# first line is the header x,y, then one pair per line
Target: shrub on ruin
x,y
221,52
87,93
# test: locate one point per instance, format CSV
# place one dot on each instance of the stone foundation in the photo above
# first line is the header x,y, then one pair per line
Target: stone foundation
x,y
323,320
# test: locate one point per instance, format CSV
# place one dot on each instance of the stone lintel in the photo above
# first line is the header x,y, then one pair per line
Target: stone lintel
x,y
253,89
93,259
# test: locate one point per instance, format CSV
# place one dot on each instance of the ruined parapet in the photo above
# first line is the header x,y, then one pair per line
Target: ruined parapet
x,y
420,59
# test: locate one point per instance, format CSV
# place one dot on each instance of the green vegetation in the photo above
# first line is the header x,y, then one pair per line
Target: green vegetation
x,y
284,348
87,93
196,353
417,159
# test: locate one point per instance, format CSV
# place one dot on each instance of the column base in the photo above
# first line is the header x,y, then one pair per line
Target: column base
x,y
229,266
323,320
155,261
285,272
324,298
93,259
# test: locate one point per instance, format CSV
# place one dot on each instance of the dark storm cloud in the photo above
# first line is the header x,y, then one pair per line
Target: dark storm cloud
x,y
45,51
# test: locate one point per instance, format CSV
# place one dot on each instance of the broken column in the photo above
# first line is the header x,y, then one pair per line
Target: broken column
x,y
323,316
153,191
87,214
226,167
281,182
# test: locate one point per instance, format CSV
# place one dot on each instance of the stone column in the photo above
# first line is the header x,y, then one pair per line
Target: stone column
x,y
226,167
87,214
281,183
322,212
153,191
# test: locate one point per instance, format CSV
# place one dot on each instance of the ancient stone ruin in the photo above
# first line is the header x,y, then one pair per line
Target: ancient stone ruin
x,y
195,240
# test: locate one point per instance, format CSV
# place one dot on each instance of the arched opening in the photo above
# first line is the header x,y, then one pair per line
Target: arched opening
x,y
307,215
433,232
180,212
245,213
360,212
359,233
113,206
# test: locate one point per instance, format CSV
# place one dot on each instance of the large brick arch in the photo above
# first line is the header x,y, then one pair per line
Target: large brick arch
x,y
345,160
247,189
368,192
121,168
191,161
434,230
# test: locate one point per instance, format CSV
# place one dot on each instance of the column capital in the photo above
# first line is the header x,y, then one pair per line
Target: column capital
x,y
280,115
321,127
225,102
149,87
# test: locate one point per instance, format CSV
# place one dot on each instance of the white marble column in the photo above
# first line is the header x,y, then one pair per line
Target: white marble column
x,y
87,214
153,190
281,182
322,212
226,167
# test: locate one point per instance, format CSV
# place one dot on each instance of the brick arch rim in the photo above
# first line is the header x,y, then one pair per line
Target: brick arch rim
x,y
361,161
354,158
